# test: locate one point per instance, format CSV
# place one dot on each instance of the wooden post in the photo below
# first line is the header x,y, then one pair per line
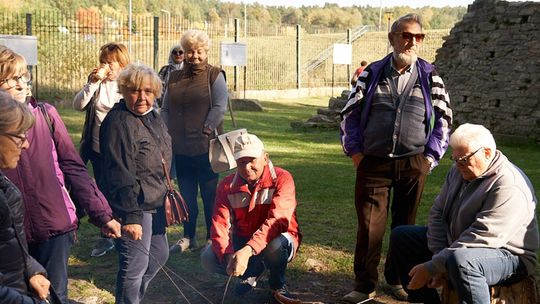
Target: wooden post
x,y
521,292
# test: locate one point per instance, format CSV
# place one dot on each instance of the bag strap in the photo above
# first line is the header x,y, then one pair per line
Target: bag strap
x,y
45,113
167,176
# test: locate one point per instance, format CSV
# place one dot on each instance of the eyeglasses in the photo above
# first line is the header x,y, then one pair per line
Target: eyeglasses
x,y
407,36
12,82
178,52
21,139
465,159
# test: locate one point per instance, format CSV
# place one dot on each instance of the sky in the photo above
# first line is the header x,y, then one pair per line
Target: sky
x,y
375,3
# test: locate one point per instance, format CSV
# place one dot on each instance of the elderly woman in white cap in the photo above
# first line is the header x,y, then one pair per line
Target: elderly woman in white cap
x,y
257,204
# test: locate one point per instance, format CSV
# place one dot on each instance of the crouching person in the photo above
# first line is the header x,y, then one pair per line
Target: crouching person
x,y
254,226
482,228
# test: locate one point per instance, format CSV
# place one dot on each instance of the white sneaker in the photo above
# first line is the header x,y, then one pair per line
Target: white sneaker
x,y
103,245
184,244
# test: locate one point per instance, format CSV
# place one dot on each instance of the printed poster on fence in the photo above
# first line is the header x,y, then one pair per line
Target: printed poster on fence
x,y
233,54
342,53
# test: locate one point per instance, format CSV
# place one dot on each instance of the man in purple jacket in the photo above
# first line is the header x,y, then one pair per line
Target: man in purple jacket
x,y
395,128
45,171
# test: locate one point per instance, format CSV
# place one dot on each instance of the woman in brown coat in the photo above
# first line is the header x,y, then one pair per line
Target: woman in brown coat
x,y
193,108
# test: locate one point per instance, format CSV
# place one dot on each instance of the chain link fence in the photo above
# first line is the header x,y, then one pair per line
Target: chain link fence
x,y
68,47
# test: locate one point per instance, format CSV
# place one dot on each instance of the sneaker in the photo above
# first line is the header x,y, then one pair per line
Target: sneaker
x,y
103,245
283,296
245,286
356,296
184,244
398,292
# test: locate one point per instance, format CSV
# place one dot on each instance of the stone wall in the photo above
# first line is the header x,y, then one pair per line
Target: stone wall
x,y
490,63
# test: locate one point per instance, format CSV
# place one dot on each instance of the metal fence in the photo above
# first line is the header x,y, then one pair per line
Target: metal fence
x,y
68,46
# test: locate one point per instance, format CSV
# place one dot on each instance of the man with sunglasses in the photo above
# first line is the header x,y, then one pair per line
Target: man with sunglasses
x,y
395,128
482,228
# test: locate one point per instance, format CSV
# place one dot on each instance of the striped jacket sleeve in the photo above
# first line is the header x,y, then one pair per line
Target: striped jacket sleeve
x,y
350,134
439,137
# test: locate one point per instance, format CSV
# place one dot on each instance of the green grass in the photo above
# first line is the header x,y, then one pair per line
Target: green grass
x,y
324,180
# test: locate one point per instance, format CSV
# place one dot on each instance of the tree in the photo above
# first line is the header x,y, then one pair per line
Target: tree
x,y
89,20
292,16
213,16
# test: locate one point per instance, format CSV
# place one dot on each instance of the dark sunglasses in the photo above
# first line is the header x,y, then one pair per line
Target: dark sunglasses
x,y
409,36
178,52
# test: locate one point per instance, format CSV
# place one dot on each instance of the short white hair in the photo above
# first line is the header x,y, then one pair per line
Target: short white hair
x,y
472,136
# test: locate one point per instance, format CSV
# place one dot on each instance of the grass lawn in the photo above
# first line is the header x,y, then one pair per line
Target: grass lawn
x,y
324,180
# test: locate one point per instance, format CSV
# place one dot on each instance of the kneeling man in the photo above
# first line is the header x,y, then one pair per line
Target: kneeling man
x,y
254,226
482,228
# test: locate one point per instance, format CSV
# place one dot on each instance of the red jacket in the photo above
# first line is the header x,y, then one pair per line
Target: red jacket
x,y
261,214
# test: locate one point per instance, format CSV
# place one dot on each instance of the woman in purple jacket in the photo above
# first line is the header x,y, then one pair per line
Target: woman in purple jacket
x,y
45,171
22,278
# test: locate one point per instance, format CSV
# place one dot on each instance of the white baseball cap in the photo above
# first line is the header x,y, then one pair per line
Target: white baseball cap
x,y
248,145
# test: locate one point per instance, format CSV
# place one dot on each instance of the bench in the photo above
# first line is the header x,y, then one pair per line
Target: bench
x,y
522,292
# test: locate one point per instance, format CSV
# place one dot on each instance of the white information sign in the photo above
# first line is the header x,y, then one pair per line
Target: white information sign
x,y
233,54
25,46
342,53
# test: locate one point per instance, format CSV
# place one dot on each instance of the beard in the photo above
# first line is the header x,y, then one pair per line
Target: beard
x,y
405,59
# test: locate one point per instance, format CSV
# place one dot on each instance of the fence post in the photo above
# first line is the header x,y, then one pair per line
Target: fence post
x,y
30,68
156,42
236,26
29,24
298,71
348,65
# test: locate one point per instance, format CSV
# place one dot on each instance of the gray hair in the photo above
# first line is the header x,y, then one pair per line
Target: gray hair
x,y
472,136
411,17
15,116
133,77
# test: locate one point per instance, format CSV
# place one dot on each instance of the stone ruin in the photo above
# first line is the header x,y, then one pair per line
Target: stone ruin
x,y
490,64
327,118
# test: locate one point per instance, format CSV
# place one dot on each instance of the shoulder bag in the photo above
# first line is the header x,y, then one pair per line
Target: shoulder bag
x,y
221,151
176,210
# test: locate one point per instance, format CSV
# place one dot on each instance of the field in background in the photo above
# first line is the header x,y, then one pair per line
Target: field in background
x,y
324,180
68,47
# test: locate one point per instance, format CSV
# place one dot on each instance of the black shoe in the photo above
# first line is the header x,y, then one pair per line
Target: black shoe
x,y
283,296
245,286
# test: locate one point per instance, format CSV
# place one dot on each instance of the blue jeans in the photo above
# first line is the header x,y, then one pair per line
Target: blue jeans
x,y
53,255
139,261
470,271
275,257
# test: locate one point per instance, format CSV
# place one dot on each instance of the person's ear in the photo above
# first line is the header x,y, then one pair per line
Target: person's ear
x,y
390,36
488,153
